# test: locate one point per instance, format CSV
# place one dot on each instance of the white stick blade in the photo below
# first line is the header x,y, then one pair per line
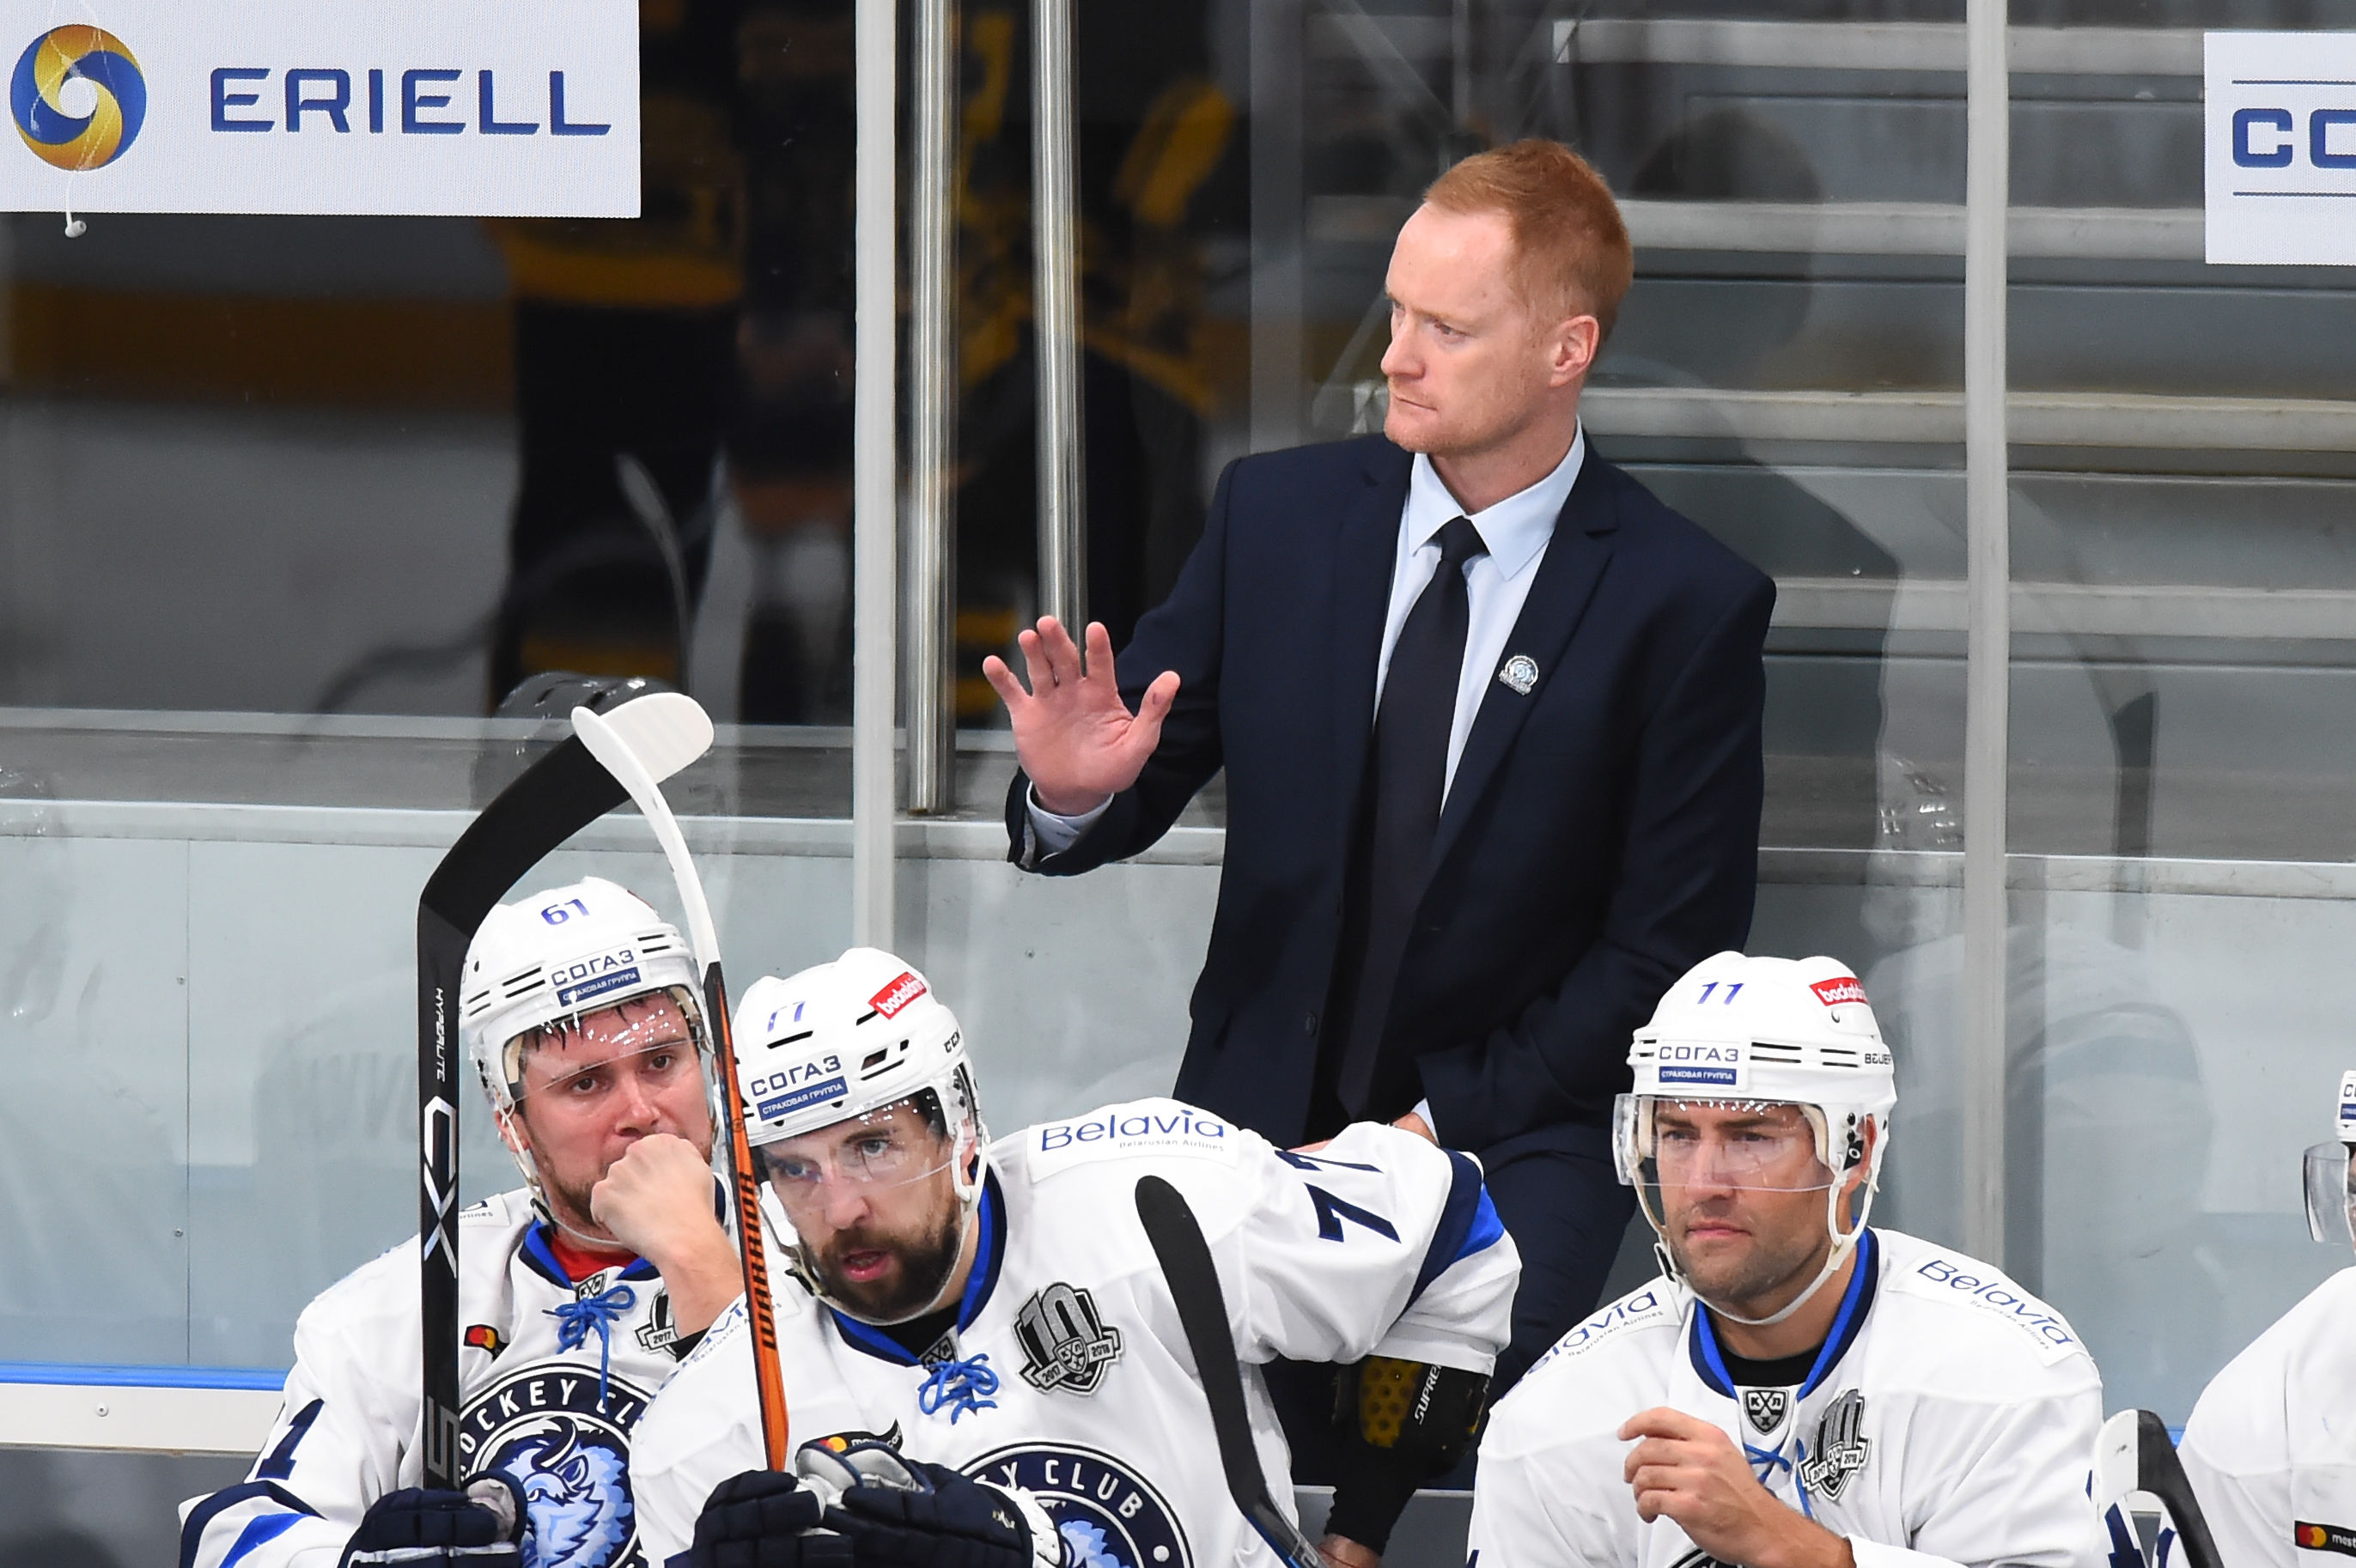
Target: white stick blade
x,y
2118,1458
664,729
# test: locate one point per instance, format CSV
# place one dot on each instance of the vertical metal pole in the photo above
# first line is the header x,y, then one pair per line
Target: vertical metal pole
x,y
1278,229
932,423
1055,316
874,499
1987,674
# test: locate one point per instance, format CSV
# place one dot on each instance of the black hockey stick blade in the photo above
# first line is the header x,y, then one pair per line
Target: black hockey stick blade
x,y
1185,1259
557,796
2135,1454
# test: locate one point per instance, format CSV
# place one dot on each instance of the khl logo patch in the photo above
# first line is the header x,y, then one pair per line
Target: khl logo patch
x,y
1065,1344
543,1429
1107,1515
1765,1408
1841,1447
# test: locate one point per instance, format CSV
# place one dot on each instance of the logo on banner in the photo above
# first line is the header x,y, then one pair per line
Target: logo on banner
x,y
84,67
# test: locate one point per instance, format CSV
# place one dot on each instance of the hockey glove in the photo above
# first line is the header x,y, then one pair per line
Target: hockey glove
x,y
482,1527
1402,1425
763,1520
903,1513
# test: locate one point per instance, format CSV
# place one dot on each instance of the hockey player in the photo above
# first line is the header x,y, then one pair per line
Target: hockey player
x,y
2268,1450
996,1311
577,1295
1797,1390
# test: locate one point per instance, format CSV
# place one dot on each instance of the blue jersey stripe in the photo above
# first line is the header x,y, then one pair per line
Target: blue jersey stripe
x,y
1468,1223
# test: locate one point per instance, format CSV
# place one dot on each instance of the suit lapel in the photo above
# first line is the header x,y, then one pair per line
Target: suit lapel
x,y
1573,565
1366,546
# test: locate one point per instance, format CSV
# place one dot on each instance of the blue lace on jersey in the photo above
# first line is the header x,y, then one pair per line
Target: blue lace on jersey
x,y
576,1319
961,1385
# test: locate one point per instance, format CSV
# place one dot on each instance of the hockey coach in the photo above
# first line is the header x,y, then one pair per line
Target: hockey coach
x,y
578,1293
1799,1389
1490,718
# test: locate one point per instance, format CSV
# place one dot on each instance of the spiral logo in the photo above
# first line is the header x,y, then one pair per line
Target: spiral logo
x,y
116,97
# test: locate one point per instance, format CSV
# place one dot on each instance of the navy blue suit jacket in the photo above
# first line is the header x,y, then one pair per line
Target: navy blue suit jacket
x,y
1600,837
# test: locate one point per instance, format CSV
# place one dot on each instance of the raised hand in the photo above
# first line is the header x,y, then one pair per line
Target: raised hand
x,y
1075,737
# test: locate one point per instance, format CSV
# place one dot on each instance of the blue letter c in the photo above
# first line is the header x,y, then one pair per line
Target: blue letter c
x,y
2276,119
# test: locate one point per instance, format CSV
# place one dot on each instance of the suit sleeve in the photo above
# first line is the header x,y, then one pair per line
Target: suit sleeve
x,y
1185,633
340,1442
1376,1245
1688,877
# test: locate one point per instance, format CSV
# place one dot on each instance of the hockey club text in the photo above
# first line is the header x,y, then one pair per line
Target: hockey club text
x,y
1109,1516
544,1429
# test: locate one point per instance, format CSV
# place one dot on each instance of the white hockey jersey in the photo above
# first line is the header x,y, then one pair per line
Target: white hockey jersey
x,y
2270,1449
351,1427
1950,1418
1070,1377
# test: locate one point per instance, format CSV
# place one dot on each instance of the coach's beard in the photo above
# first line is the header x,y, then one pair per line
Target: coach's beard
x,y
909,1290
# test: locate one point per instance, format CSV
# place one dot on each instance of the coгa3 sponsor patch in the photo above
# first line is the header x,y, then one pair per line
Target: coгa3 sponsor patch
x,y
545,1430
1066,1342
1765,1408
1841,1448
1109,1516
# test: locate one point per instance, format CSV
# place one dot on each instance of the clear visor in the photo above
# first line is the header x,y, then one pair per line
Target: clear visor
x,y
1703,1146
861,1157
651,1045
2330,1194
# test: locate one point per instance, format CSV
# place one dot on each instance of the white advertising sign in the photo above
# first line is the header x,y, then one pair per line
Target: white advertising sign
x,y
516,108
2280,139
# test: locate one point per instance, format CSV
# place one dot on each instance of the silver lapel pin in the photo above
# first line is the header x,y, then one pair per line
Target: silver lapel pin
x,y
1521,673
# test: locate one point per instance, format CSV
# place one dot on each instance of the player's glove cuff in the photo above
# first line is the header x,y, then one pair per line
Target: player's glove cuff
x,y
482,1527
903,1513
763,1518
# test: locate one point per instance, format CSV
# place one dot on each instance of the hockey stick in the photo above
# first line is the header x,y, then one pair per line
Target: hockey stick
x,y
2132,1456
557,796
623,756
1185,1259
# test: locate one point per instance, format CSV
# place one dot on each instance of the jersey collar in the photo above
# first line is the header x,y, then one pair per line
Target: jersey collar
x,y
541,1258
1848,1323
989,1254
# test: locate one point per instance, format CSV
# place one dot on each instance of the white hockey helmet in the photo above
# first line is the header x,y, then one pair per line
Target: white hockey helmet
x,y
1739,1030
846,1040
2329,1172
564,953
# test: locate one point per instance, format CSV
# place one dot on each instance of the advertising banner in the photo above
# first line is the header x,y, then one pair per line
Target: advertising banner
x,y
2280,147
475,108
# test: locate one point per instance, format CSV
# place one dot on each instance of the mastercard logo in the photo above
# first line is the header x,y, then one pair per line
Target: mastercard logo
x,y
78,68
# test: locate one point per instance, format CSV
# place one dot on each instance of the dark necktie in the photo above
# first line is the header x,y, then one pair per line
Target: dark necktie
x,y
1405,787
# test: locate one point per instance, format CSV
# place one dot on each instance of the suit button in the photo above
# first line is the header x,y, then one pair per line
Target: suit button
x,y
1308,1024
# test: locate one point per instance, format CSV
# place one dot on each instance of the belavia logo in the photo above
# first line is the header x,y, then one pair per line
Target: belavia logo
x,y
113,90
897,995
1833,993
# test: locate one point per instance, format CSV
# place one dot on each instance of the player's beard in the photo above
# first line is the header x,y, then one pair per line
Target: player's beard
x,y
926,1263
1752,1281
